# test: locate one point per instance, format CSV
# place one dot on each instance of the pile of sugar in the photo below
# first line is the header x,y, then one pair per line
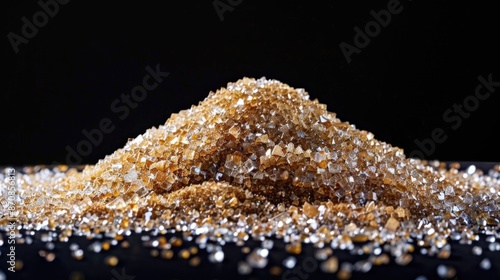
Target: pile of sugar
x,y
259,158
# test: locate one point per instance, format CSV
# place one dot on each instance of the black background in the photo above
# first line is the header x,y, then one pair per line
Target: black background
x,y
427,58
